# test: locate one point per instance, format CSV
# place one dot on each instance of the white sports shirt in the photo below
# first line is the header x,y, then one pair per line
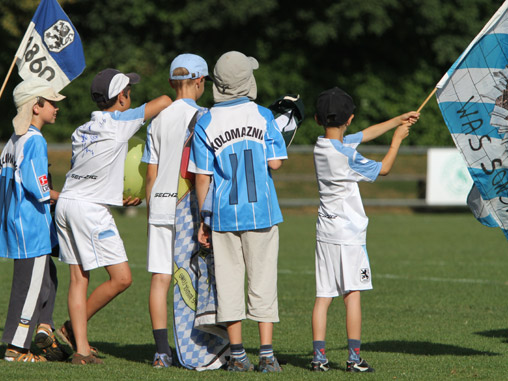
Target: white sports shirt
x,y
339,167
99,148
164,146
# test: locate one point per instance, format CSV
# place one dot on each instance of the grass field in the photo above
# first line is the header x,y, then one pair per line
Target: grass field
x,y
438,310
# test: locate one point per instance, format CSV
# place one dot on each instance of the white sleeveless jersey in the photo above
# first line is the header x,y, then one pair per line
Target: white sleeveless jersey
x,y
99,148
339,168
164,146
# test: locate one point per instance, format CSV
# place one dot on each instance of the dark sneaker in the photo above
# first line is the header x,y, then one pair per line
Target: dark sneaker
x,y
235,365
318,366
269,364
362,366
51,349
162,360
13,355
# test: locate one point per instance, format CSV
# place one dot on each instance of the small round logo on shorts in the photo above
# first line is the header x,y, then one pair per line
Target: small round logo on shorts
x,y
364,275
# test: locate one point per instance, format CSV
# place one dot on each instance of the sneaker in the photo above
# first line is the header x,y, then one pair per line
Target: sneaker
x,y
318,366
162,360
235,365
362,366
51,349
269,364
13,355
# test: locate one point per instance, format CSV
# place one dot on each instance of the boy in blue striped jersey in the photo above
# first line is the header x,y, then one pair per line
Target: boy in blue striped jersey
x,y
238,143
27,232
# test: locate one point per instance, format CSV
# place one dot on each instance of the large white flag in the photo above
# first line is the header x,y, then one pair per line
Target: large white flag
x,y
51,48
473,98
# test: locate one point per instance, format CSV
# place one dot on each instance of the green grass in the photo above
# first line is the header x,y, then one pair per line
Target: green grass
x,y
438,309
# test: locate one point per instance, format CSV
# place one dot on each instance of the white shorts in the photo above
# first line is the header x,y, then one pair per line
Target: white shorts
x,y
161,244
88,235
341,269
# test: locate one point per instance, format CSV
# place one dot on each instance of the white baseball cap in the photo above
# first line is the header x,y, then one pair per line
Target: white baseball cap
x,y
25,97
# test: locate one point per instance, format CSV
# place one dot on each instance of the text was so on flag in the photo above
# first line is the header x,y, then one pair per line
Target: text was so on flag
x,y
473,98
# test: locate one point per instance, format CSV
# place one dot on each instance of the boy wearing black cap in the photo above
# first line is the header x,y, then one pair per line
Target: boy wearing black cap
x,y
86,229
342,263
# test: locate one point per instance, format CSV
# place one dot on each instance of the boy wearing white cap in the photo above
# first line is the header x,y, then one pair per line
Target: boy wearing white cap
x,y
167,135
238,143
86,229
27,232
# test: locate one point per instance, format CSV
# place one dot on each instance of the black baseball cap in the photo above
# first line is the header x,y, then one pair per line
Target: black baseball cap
x,y
334,107
109,83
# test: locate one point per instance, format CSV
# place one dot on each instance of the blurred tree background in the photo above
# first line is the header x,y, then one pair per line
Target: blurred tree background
x,y
388,54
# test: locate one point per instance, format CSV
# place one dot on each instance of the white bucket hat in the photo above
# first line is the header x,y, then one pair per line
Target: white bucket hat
x,y
25,97
233,77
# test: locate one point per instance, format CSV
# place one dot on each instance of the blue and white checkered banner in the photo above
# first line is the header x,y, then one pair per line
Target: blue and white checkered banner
x,y
201,344
473,98
51,48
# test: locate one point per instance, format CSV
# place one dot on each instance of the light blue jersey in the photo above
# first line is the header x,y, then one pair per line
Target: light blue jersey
x,y
234,142
26,228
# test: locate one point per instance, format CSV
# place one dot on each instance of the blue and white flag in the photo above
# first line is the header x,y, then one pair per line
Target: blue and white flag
x,y
51,48
473,98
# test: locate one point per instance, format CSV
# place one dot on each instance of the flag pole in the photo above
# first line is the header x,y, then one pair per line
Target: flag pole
x,y
7,76
426,100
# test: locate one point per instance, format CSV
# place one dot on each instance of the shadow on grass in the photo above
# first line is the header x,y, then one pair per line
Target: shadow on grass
x,y
423,348
141,353
495,333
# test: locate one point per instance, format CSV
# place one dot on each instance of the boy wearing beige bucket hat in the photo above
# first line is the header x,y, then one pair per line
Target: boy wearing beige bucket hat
x,y
239,144
27,232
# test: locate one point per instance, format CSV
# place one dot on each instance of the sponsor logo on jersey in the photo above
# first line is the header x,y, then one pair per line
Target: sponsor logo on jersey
x,y
330,216
166,194
8,159
364,275
43,182
237,133
58,36
85,177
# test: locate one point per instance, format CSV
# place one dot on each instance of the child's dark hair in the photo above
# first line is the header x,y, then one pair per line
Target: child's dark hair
x,y
104,105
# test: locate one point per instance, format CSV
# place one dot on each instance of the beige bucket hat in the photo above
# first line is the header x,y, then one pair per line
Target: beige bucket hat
x,y
25,96
233,77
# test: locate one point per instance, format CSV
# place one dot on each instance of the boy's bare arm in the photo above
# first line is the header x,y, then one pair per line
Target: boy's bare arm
x,y
372,132
202,185
275,164
151,175
400,134
156,105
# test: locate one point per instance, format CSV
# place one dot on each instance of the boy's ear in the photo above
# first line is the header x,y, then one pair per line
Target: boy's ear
x,y
350,120
317,119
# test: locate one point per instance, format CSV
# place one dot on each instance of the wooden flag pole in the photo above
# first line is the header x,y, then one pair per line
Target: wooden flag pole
x,y
426,100
7,77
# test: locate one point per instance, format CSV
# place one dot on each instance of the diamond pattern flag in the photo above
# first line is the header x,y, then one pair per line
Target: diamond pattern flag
x,y
473,98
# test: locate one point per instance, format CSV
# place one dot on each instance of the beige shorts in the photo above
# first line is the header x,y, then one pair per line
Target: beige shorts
x,y
253,252
160,249
87,235
341,269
